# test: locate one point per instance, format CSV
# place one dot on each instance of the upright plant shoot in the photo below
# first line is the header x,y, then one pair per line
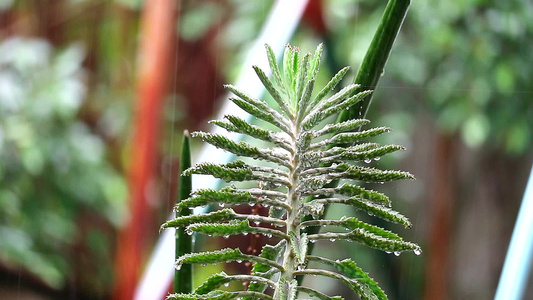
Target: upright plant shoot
x,y
293,178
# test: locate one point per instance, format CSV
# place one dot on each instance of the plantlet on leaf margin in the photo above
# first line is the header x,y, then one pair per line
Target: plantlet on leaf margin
x,y
305,157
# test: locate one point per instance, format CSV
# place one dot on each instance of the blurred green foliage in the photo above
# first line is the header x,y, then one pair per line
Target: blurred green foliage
x,y
468,62
53,169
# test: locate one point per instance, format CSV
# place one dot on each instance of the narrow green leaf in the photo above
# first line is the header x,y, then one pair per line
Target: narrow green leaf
x,y
212,283
346,126
259,109
317,294
368,155
217,216
314,64
330,86
234,227
243,148
283,105
306,97
351,190
234,171
315,117
227,196
239,125
219,295
183,277
275,69
301,78
352,137
369,174
379,211
287,69
350,269
382,243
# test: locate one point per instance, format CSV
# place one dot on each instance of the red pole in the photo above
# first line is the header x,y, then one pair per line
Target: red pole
x,y
157,32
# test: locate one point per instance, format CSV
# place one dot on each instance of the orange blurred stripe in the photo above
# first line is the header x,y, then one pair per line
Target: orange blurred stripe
x,y
158,27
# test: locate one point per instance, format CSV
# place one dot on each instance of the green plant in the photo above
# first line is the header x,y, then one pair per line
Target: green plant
x,y
308,154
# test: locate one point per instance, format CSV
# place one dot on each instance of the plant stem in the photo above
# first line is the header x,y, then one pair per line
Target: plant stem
x,y
183,276
373,65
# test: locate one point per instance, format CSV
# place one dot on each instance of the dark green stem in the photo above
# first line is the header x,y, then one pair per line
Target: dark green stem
x,y
371,70
376,57
183,276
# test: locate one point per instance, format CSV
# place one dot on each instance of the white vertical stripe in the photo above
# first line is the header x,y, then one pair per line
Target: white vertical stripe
x,y
518,262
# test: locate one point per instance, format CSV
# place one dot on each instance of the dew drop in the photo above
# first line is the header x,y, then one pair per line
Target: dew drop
x,y
203,265
377,158
388,252
418,251
239,261
226,284
226,236
332,240
312,241
178,267
397,253
257,222
221,204
368,161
